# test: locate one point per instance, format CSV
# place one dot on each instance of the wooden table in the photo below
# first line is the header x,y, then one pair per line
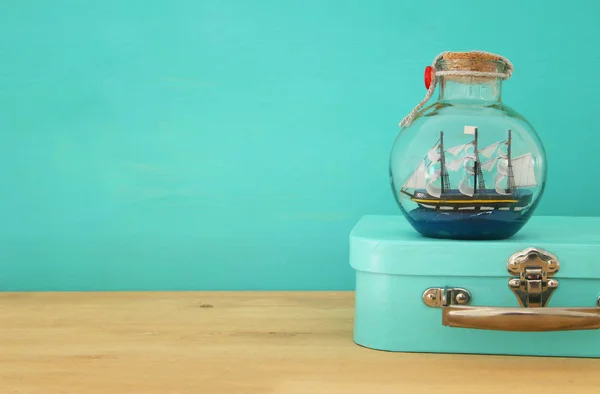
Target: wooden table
x,y
219,343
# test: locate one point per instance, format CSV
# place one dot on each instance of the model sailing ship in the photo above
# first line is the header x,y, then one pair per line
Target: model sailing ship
x,y
512,176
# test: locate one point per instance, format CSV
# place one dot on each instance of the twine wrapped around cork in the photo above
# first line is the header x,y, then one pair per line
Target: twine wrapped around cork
x,y
470,67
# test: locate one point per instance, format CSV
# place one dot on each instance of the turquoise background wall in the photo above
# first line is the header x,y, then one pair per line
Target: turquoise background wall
x,y
233,144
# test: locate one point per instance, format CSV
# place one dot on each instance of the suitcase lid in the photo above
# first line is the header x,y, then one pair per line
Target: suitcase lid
x,y
389,245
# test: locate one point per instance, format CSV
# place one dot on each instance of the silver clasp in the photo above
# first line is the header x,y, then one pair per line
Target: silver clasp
x,y
532,270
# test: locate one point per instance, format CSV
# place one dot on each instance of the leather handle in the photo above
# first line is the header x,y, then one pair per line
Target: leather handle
x,y
521,319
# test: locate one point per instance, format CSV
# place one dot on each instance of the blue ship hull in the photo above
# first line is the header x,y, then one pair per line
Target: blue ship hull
x,y
475,223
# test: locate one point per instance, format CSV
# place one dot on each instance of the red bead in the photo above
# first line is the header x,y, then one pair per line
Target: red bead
x,y
428,74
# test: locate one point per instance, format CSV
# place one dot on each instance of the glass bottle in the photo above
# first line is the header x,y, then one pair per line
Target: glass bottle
x,y
467,166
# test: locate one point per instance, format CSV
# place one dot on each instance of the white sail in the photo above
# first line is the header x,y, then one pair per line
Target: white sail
x,y
434,155
488,151
432,189
489,165
503,166
456,149
465,188
455,164
502,154
470,169
470,145
501,185
417,179
523,171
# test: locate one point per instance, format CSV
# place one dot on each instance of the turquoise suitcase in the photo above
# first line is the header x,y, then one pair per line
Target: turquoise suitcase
x,y
534,294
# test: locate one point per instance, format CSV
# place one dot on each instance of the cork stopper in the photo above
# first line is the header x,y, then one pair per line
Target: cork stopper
x,y
471,61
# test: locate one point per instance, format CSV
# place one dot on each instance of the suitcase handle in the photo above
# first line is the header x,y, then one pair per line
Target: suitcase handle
x,y
521,319
457,312
532,282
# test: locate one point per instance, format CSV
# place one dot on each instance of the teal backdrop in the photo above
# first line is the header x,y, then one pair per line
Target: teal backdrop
x,y
221,144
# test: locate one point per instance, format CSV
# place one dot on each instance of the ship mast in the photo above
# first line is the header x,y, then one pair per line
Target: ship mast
x,y
511,176
445,181
477,168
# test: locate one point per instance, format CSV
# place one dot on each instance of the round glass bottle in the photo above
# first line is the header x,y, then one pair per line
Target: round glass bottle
x,y
467,166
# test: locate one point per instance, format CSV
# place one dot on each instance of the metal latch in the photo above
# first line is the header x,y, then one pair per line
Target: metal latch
x,y
532,270
437,297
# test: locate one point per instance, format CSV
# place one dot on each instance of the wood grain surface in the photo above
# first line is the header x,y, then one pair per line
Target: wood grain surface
x,y
239,342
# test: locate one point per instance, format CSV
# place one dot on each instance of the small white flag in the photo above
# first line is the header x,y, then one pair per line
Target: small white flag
x,y
470,129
